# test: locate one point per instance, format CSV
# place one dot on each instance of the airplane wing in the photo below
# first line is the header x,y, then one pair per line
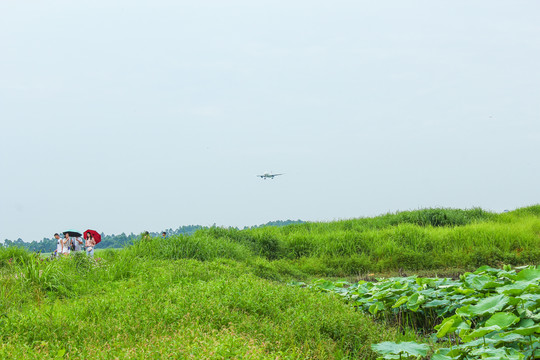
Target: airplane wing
x,y
268,176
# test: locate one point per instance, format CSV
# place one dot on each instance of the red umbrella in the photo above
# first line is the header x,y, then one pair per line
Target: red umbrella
x,y
95,235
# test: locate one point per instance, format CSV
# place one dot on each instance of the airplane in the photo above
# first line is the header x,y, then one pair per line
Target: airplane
x,y
267,175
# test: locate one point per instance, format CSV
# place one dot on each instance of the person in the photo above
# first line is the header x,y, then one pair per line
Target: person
x,y
66,244
145,235
164,235
58,250
90,243
77,244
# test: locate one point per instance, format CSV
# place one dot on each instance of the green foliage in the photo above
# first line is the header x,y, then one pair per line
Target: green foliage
x,y
533,210
220,292
48,245
488,313
188,247
124,305
391,350
425,239
414,240
10,255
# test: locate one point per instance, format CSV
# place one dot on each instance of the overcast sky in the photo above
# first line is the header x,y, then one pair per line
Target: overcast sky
x,y
125,116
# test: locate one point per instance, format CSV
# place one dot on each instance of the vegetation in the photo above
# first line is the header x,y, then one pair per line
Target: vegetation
x,y
431,239
47,245
226,293
122,306
491,313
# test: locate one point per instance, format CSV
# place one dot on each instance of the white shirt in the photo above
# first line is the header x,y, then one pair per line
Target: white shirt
x,y
58,246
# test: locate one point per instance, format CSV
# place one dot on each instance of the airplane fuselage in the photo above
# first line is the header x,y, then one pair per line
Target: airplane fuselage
x,y
268,176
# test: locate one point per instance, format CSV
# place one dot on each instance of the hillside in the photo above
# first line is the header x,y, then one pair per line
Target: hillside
x,y
428,239
224,293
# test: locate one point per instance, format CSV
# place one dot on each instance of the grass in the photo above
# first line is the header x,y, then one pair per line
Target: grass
x,y
223,293
429,239
127,308
434,240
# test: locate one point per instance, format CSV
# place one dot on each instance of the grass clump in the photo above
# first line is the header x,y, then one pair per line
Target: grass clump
x,y
201,247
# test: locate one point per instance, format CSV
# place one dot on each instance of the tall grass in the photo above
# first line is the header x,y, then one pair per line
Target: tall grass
x,y
414,240
201,247
173,308
12,254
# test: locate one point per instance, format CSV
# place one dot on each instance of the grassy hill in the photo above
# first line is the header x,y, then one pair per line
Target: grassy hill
x,y
223,293
431,240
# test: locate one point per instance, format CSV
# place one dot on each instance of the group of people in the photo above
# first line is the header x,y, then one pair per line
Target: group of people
x,y
67,244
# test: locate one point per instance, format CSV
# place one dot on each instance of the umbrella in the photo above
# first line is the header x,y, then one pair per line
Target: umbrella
x,y
95,235
72,233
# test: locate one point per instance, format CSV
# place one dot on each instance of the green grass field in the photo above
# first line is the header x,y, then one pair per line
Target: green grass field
x,y
224,293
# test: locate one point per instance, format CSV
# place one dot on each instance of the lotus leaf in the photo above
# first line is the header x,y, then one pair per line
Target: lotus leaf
x,y
415,301
513,301
502,319
436,303
375,308
481,282
450,325
528,275
478,342
495,340
442,357
530,315
327,286
486,269
526,331
445,327
483,331
469,300
514,289
496,354
410,348
454,353
530,297
463,291
485,306
402,300
511,338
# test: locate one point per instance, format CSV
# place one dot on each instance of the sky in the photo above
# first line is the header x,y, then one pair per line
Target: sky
x,y
126,116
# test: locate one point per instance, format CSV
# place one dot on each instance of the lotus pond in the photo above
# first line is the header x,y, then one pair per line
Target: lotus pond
x,y
486,314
